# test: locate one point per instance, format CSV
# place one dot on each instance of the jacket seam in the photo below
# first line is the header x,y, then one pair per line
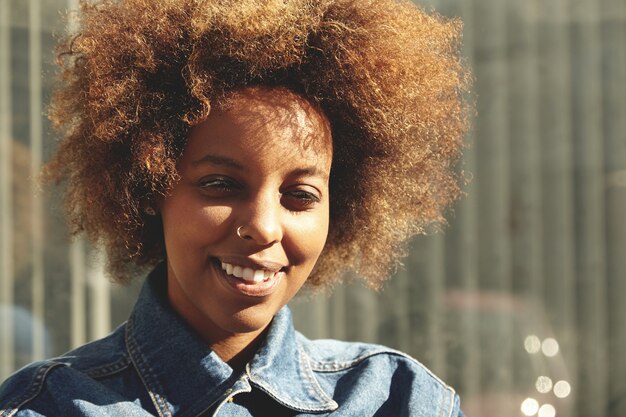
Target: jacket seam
x,y
104,371
34,391
428,371
138,360
334,366
330,367
224,398
308,371
293,404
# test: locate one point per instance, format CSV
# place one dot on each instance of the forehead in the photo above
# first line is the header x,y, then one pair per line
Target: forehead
x,y
262,113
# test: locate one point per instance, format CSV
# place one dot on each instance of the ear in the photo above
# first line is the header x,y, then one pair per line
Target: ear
x,y
149,205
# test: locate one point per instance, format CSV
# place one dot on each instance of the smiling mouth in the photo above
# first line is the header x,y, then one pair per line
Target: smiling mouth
x,y
248,281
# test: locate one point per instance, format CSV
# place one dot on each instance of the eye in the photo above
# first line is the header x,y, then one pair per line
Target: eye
x,y
218,186
300,200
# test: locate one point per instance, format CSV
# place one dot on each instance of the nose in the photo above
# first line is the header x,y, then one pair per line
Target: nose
x,y
261,222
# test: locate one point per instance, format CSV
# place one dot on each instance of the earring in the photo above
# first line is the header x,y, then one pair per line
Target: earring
x,y
150,211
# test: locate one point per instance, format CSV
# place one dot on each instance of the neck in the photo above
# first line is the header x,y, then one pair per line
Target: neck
x,y
238,349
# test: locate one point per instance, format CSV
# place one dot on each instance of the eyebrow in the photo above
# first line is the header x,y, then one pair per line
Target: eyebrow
x,y
310,171
218,160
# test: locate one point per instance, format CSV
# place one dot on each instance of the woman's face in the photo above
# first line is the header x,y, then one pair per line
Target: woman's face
x,y
260,165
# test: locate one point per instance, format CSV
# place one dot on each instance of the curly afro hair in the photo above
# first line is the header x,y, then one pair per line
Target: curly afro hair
x,y
138,74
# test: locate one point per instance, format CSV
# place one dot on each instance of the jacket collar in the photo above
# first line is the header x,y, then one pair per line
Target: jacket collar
x,y
185,377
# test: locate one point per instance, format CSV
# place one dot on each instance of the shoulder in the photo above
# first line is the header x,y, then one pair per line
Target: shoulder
x,y
329,355
391,380
100,358
76,372
24,386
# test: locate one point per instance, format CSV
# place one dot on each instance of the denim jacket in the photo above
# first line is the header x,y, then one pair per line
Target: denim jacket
x,y
155,365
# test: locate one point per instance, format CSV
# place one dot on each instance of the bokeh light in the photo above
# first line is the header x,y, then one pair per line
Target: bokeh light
x,y
532,344
562,389
529,407
550,347
547,410
543,384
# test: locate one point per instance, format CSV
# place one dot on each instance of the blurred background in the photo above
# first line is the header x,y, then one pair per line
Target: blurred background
x,y
520,303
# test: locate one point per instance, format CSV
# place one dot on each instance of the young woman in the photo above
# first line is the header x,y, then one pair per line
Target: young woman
x,y
242,149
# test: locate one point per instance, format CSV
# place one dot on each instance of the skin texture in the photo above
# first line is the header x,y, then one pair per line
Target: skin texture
x,y
262,163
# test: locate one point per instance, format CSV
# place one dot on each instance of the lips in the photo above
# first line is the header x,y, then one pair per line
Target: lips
x,y
249,281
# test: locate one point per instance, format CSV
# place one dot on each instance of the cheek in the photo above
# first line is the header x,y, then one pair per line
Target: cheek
x,y
311,238
190,226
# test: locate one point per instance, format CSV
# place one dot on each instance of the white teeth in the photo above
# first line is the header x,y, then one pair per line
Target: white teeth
x,y
248,274
227,267
259,275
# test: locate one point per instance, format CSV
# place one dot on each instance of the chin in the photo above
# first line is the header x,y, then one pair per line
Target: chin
x,y
249,320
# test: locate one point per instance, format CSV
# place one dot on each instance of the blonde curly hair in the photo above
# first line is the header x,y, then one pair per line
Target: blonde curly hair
x,y
139,73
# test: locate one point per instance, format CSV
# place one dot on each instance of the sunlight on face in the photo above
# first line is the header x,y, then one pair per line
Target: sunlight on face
x,y
261,165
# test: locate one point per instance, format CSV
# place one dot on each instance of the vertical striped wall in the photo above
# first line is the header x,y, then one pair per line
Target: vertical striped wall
x,y
52,292
534,254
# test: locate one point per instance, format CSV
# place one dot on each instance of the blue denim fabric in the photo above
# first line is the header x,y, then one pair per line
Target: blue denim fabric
x,y
154,364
